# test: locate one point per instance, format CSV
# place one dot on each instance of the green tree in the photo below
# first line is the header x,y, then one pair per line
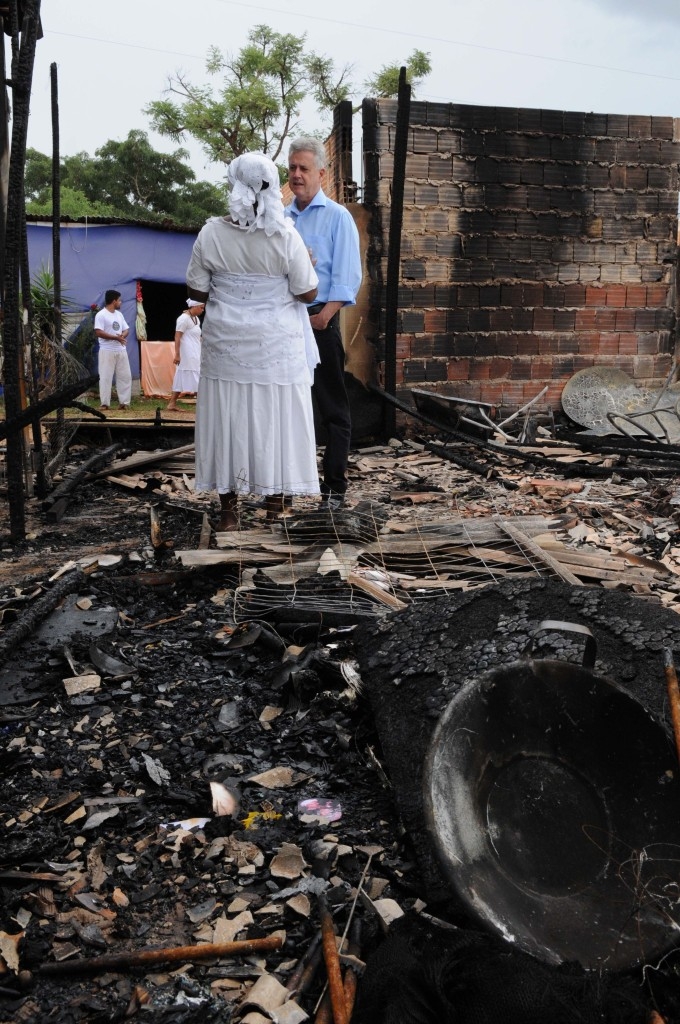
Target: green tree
x,y
128,179
385,82
257,103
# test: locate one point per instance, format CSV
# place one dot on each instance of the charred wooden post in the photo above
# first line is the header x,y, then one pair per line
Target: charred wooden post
x,y
394,247
56,252
46,405
22,76
41,478
38,611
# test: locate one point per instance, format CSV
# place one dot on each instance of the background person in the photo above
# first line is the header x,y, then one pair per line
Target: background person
x,y
254,420
112,331
187,353
330,234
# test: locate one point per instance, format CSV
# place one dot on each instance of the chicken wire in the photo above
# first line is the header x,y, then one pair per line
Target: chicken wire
x,y
352,563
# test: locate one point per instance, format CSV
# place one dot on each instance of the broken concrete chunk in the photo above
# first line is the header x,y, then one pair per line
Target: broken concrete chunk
x,y
266,994
81,684
288,862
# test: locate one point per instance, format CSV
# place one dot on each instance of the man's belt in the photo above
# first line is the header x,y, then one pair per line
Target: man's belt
x,y
316,308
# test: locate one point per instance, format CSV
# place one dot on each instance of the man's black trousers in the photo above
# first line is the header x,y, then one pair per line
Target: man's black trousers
x,y
333,406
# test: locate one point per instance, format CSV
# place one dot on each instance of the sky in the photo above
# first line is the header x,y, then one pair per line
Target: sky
x,y
607,56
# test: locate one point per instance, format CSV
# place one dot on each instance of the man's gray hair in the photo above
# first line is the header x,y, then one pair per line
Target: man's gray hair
x,y
308,144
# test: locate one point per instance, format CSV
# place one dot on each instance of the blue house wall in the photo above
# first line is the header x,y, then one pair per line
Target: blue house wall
x,y
95,257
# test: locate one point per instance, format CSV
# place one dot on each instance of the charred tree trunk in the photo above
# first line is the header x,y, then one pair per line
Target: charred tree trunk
x,y
22,76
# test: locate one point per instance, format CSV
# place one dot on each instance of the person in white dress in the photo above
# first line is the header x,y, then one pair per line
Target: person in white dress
x,y
254,421
187,353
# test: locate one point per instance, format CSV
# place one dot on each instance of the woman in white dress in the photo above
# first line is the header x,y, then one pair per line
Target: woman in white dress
x,y
187,352
254,422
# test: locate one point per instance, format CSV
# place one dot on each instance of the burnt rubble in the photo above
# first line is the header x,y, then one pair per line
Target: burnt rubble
x,y
176,776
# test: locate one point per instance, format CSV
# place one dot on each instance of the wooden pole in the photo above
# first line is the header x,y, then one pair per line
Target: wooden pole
x,y
171,954
21,81
673,695
394,249
332,961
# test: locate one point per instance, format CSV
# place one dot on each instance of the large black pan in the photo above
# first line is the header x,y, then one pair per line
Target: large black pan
x,y
553,798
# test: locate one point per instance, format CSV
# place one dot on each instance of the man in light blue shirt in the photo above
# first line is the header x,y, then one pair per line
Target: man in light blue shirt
x,y
332,239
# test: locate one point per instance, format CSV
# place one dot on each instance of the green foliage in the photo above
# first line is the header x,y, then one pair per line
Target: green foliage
x,y
385,83
257,102
74,204
128,179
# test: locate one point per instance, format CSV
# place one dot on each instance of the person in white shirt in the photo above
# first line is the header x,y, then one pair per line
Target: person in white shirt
x,y
254,420
112,331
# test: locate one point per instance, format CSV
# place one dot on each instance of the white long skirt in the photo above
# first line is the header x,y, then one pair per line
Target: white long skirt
x,y
255,438
187,373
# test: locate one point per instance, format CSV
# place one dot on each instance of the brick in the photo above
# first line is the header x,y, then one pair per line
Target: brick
x,y
457,319
500,319
458,369
610,273
443,345
439,166
437,220
554,295
648,344
403,346
608,344
565,319
480,319
522,319
423,140
448,141
623,228
468,296
639,127
437,272
490,295
412,322
636,295
464,345
529,120
617,124
434,320
417,165
636,177
596,296
449,194
628,344
596,176
437,114
425,194
574,295
568,272
413,270
527,345
424,245
657,295
595,124
414,371
500,367
423,297
445,296
486,345
421,347
651,273
544,319
479,370
552,121
532,294
460,271
630,274
436,369
625,320
615,295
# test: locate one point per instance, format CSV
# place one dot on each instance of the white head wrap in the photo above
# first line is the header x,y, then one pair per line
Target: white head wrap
x,y
192,302
252,178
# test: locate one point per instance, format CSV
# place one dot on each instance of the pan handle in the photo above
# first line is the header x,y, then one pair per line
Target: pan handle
x,y
556,625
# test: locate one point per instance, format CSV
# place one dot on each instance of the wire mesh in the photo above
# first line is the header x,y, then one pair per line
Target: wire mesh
x,y
358,562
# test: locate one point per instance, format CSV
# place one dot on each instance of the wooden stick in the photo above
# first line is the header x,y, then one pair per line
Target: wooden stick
x,y
673,695
171,954
305,969
324,1015
351,981
330,955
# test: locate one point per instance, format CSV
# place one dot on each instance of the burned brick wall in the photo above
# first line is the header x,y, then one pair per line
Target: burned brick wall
x,y
535,243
